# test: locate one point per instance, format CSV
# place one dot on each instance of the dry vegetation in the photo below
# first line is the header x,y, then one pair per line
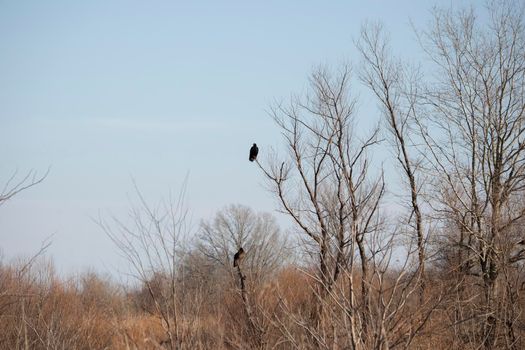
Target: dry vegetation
x,y
446,271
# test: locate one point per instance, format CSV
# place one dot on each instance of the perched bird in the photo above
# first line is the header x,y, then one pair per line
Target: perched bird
x,y
237,258
253,152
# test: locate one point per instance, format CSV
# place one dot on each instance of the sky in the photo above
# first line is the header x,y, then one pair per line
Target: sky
x,y
107,92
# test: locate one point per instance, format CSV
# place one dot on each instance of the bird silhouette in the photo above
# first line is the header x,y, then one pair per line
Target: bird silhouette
x,y
237,258
253,152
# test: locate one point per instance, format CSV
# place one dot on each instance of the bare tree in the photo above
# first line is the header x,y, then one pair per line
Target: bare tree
x,y
16,184
236,227
326,187
152,241
263,252
473,129
8,295
394,86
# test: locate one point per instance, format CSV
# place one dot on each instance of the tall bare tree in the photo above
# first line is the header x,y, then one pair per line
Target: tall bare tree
x,y
473,128
326,186
393,83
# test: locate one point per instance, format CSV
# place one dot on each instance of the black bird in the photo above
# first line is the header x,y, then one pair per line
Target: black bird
x,y
253,152
237,258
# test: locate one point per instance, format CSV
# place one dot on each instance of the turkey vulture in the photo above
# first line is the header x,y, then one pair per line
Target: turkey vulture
x,y
253,152
237,258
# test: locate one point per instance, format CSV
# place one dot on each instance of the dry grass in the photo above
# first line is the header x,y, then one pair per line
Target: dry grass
x,y
38,310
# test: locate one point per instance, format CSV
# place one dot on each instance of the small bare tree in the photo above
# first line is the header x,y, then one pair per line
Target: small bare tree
x,y
264,253
152,241
8,295
236,227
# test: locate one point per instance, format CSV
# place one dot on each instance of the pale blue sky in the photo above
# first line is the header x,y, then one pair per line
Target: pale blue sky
x,y
103,91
